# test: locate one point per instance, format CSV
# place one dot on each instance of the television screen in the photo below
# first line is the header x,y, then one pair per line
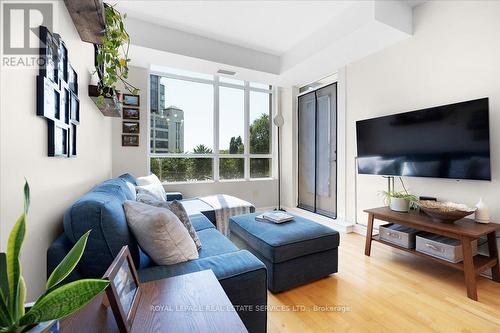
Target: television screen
x,y
450,141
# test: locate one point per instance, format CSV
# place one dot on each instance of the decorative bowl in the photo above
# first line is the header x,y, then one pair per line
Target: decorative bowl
x,y
445,212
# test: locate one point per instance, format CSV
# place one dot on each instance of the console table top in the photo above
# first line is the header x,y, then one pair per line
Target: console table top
x,y
421,221
189,303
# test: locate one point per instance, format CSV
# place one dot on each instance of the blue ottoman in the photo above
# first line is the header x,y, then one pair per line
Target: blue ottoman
x,y
295,252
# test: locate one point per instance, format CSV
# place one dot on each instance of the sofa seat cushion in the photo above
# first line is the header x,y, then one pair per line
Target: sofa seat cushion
x,y
201,222
281,242
214,243
224,266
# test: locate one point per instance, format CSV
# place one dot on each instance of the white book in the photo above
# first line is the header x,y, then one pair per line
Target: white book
x,y
275,217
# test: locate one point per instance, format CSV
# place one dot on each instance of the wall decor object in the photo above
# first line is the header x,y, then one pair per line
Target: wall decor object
x,y
124,289
131,100
482,212
131,113
57,95
130,140
130,127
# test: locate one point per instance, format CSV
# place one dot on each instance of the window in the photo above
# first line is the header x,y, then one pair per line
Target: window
x,y
209,128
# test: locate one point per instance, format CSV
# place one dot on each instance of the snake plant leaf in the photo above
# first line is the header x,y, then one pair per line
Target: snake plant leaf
x,y
14,245
5,317
69,262
21,297
26,197
4,279
63,301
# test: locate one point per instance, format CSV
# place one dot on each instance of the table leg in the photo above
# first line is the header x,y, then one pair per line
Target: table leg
x,y
369,234
469,270
493,249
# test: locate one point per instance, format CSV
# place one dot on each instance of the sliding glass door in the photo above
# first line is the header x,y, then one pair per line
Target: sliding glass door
x,y
317,151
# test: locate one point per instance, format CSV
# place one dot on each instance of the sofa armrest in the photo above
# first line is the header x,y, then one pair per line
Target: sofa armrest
x,y
171,196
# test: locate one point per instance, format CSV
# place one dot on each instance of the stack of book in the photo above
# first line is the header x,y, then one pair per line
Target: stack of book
x,y
275,217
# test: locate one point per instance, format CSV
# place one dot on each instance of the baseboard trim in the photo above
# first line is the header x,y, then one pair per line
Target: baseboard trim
x,y
338,224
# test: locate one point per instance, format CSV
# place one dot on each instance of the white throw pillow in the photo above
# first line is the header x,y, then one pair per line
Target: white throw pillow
x,y
146,180
160,233
154,186
152,190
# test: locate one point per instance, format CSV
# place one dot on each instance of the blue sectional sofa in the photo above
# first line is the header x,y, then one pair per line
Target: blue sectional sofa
x,y
240,273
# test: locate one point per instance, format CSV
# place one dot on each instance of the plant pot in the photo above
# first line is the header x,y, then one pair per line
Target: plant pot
x,y
45,327
399,205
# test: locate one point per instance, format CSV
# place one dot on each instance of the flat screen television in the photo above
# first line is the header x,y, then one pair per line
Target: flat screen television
x,y
449,141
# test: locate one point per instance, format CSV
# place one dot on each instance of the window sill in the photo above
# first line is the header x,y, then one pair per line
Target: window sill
x,y
225,181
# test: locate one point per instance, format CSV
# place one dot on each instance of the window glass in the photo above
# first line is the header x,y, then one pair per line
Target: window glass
x,y
231,120
260,122
185,122
260,167
175,169
182,132
231,168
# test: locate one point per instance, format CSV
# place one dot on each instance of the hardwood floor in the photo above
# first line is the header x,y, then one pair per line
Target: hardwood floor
x,y
391,291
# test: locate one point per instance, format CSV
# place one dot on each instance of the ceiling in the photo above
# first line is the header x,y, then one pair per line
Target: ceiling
x,y
283,41
268,26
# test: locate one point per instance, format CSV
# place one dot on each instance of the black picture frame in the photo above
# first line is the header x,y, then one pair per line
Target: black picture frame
x,y
65,105
74,109
62,59
57,95
49,53
130,140
48,99
58,139
130,127
124,291
72,140
131,100
131,113
72,79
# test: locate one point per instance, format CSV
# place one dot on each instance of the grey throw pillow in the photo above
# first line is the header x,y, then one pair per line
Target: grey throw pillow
x,y
177,208
160,233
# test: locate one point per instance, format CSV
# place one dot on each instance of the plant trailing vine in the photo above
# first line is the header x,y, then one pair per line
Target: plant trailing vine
x,y
112,55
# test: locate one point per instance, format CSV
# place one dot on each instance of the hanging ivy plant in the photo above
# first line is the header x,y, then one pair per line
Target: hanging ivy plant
x,y
112,55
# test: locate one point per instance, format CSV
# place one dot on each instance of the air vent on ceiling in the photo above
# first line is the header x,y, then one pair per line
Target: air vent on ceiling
x,y
225,72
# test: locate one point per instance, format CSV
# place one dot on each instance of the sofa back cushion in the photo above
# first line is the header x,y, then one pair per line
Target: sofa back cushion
x,y
101,210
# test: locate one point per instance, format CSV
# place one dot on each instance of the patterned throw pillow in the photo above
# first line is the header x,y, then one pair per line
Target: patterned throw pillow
x,y
160,233
177,208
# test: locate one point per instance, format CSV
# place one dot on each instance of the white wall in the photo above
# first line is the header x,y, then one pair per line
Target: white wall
x,y
134,160
288,104
55,182
453,56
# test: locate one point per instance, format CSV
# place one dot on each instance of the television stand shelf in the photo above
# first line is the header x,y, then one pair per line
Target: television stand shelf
x,y
465,230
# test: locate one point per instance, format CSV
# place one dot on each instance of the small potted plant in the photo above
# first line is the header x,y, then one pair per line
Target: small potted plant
x,y
112,63
58,301
399,201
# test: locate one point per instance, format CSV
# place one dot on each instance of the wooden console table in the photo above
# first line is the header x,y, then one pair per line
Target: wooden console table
x,y
191,303
465,230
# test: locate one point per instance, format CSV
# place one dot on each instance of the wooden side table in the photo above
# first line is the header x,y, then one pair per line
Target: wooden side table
x,y
191,303
465,230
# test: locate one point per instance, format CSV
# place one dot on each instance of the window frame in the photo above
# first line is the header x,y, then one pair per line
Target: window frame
x,y
216,156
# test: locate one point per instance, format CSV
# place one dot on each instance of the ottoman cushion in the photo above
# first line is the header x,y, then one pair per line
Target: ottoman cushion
x,y
282,242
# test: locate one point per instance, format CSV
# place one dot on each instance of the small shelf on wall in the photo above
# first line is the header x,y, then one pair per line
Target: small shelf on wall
x,y
88,18
112,105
